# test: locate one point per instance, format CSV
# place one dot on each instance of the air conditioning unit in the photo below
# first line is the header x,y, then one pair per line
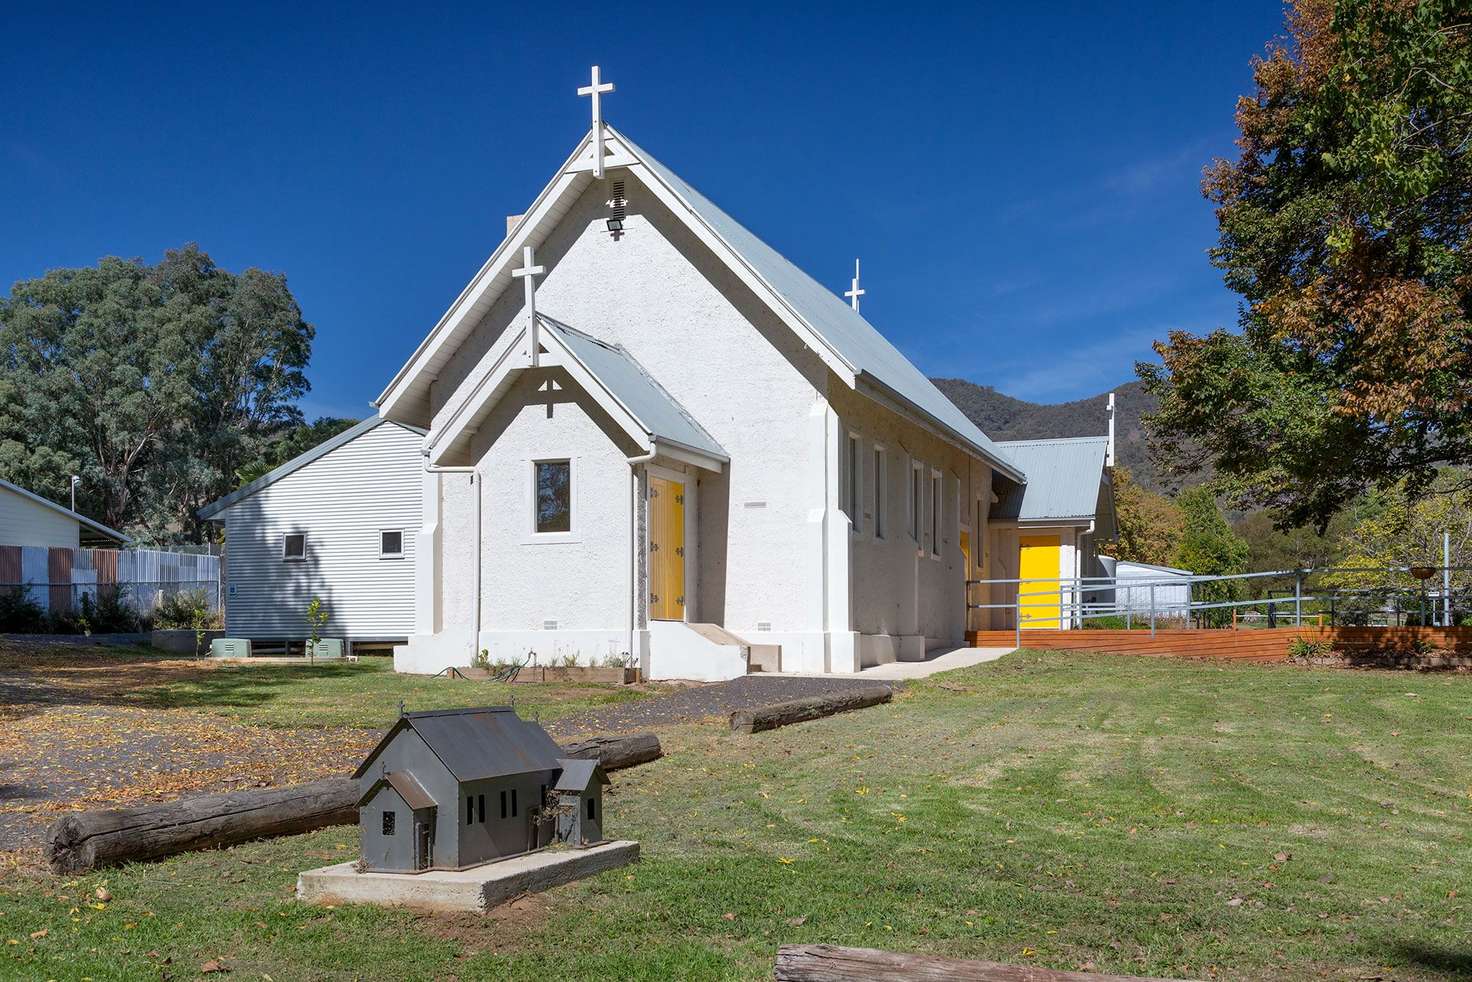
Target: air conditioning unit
x,y
230,648
327,648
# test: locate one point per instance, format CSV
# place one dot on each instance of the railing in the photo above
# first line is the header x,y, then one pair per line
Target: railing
x,y
1209,601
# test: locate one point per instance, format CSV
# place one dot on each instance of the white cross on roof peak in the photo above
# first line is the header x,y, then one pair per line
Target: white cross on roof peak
x,y
854,293
595,89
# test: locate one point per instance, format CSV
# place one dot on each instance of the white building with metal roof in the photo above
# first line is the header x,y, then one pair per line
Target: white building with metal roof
x,y
339,523
667,443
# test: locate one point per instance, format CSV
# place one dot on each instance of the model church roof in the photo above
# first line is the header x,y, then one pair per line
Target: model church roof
x,y
476,744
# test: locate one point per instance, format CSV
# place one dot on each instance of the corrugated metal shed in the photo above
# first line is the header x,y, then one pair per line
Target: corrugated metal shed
x,y
1063,478
476,744
636,390
578,775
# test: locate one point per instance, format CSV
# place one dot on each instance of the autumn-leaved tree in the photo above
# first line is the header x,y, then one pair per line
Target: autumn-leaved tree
x,y
1344,226
1150,524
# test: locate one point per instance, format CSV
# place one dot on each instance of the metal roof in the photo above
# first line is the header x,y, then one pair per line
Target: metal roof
x,y
578,774
409,789
476,744
636,390
321,450
846,333
1063,479
98,528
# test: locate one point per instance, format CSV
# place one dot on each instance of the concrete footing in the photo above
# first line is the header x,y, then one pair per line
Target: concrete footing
x,y
478,888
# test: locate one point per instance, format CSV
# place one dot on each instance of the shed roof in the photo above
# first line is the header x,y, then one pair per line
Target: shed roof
x,y
213,509
662,417
1063,478
476,744
577,775
97,529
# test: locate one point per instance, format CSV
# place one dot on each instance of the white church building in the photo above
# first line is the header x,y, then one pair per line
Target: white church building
x,y
647,435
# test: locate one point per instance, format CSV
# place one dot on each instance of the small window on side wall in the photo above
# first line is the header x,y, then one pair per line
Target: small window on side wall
x,y
388,823
553,496
391,544
294,547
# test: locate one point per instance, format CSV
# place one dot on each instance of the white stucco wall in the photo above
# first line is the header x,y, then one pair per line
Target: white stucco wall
x,y
24,522
733,365
342,501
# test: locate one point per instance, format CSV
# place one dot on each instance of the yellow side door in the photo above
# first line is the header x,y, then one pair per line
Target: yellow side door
x,y
666,549
966,572
1038,560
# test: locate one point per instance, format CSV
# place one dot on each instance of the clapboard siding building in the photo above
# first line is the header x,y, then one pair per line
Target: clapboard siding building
x,y
340,523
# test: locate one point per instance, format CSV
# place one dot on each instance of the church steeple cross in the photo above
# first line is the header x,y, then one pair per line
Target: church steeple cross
x,y
596,90
854,293
528,273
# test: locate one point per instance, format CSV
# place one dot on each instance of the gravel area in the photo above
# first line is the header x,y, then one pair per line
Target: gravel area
x,y
716,699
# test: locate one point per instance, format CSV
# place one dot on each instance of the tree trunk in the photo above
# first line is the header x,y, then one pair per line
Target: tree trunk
x,y
615,752
828,963
85,840
801,710
82,841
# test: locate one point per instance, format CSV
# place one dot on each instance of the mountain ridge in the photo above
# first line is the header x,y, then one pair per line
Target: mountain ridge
x,y
1003,417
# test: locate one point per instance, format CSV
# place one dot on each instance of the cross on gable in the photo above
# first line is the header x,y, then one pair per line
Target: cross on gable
x,y
596,90
528,274
854,293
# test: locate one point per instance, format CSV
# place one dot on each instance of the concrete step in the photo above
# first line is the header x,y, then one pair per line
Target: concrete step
x,y
760,657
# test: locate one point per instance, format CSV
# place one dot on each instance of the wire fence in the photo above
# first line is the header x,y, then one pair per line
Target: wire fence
x,y
1329,597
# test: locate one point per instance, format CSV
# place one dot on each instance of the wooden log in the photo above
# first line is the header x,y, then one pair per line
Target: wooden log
x,y
82,841
829,963
616,752
777,714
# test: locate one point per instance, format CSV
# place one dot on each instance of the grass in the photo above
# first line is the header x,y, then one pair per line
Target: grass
x,y
363,694
1133,815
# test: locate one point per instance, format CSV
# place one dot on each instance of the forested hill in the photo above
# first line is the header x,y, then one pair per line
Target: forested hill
x,y
1002,417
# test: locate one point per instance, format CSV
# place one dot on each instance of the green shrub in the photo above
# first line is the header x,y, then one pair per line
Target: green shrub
x,y
1301,647
1113,622
19,614
186,611
109,611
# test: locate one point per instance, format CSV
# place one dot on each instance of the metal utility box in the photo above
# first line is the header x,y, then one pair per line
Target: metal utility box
x,y
327,648
230,648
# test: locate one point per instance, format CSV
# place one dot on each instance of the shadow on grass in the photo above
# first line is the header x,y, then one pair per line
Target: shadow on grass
x,y
251,685
1455,962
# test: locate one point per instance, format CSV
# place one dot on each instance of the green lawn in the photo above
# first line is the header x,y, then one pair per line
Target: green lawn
x,y
1137,815
364,693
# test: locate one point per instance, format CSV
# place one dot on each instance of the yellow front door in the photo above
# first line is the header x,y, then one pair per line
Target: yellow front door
x,y
1038,560
666,549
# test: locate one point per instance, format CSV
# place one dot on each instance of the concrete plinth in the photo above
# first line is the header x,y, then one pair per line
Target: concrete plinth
x,y
478,888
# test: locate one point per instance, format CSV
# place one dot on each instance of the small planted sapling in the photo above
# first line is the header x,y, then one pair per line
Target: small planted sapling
x,y
317,615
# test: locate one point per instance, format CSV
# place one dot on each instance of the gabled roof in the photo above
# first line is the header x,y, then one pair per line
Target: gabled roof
x,y
98,530
643,408
476,744
1063,479
407,787
578,775
321,450
856,352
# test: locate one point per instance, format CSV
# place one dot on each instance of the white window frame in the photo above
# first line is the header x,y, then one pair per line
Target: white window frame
x,y
383,553
573,533
917,501
293,559
879,519
937,509
853,489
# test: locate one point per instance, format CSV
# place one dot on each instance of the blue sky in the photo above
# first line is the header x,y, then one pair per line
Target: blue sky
x,y
1020,180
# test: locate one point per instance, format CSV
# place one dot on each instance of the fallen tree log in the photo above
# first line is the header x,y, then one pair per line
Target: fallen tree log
x,y
616,752
829,963
777,714
83,841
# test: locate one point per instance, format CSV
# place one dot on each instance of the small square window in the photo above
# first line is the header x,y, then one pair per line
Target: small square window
x,y
388,823
554,496
391,544
294,547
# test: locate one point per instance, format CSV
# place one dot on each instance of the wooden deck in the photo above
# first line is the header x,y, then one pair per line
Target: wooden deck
x,y
1261,644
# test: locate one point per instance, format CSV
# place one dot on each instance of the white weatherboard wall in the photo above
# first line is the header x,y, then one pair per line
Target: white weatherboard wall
x,y
24,522
342,501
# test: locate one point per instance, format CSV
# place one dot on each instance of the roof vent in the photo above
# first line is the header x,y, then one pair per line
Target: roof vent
x,y
763,625
549,625
618,206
